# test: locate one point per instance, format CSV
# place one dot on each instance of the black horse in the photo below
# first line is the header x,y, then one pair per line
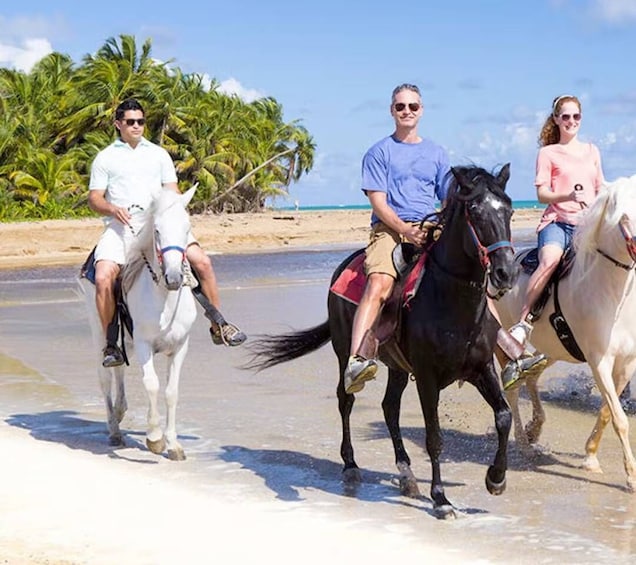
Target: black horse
x,y
446,334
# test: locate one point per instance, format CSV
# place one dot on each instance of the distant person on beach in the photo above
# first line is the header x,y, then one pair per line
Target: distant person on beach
x,y
568,178
124,177
402,175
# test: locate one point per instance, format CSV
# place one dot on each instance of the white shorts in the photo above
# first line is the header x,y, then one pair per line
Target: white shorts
x,y
116,239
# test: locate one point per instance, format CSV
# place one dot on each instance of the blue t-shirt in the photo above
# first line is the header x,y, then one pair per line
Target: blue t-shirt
x,y
413,176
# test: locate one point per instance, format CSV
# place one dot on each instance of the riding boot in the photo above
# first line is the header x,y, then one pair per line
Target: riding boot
x,y
521,364
113,356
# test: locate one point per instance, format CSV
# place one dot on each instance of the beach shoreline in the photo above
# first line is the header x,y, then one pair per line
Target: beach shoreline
x,y
67,242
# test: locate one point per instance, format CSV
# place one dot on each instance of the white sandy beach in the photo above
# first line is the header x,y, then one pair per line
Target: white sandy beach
x,y
67,498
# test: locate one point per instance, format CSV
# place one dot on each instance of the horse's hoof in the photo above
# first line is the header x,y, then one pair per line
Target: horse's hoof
x,y
445,512
156,447
176,454
495,488
351,476
408,487
116,440
591,464
533,432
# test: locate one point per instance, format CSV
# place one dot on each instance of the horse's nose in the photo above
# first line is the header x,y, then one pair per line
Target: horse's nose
x,y
173,282
505,275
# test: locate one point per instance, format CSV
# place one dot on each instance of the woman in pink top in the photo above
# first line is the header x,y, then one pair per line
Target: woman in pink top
x,y
569,176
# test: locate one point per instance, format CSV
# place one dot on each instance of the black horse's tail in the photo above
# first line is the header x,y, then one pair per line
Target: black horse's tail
x,y
271,350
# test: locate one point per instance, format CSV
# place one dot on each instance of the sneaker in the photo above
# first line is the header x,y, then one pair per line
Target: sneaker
x,y
113,357
228,334
516,371
359,370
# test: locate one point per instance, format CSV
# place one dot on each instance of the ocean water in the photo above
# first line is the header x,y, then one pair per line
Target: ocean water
x,y
516,204
296,266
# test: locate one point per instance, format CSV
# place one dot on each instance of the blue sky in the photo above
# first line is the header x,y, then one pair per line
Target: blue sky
x,y
488,70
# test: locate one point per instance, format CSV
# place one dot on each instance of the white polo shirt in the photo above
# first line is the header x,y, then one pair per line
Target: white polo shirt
x,y
131,177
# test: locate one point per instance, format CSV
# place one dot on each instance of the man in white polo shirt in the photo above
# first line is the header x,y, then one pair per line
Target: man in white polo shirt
x,y
125,176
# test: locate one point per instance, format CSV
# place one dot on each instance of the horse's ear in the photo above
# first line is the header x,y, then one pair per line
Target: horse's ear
x,y
464,183
187,195
503,176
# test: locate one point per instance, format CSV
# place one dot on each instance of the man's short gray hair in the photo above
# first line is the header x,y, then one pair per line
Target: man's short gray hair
x,y
405,86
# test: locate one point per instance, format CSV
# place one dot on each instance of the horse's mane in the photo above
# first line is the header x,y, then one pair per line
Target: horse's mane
x,y
141,249
614,200
478,176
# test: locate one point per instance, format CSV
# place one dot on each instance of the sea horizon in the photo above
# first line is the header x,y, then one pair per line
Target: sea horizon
x,y
516,204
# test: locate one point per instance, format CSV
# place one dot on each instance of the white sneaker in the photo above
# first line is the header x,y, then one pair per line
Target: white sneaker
x,y
359,370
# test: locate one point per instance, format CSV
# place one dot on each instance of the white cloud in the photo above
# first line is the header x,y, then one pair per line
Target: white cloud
x,y
614,11
26,55
233,86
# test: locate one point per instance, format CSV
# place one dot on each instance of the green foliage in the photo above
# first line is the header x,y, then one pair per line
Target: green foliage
x,y
54,120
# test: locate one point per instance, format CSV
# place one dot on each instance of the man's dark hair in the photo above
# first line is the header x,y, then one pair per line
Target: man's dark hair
x,y
129,104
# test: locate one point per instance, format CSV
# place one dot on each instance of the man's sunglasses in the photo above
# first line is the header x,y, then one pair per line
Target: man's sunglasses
x,y
566,117
413,106
131,121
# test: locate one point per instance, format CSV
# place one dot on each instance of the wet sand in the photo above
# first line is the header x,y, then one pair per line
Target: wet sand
x,y
262,479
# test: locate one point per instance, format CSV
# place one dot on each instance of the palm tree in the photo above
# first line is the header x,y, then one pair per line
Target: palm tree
x,y
116,72
54,119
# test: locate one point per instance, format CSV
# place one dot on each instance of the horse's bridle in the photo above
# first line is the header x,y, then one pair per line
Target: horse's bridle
x,y
159,251
625,225
484,255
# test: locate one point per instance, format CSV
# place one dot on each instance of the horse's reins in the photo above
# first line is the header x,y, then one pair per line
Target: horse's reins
x,y
630,242
624,225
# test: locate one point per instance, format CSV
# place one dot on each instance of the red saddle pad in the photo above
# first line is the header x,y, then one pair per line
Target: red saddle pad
x,y
351,282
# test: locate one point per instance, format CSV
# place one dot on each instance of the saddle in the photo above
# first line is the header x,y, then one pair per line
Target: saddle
x,y
350,284
529,261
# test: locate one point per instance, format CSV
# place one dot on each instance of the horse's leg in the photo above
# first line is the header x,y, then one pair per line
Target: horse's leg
x,y
115,437
605,383
488,386
341,316
121,404
175,451
591,462
155,440
428,394
351,472
391,405
521,438
621,375
534,427
114,414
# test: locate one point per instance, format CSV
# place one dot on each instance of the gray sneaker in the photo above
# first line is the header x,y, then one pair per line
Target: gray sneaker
x,y
228,334
515,372
359,370
113,357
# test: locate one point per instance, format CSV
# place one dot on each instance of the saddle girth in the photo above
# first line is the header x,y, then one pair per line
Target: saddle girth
x,y
562,328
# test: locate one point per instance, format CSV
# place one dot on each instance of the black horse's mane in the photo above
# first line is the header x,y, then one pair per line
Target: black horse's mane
x,y
479,180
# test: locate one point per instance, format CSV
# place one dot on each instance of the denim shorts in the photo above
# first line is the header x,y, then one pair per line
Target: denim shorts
x,y
556,233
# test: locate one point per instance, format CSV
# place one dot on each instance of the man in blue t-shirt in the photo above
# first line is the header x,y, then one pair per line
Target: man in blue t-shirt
x,y
403,176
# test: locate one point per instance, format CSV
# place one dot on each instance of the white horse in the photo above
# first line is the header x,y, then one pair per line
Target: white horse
x,y
598,301
163,312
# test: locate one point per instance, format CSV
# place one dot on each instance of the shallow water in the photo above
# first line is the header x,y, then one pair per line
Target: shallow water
x,y
274,437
